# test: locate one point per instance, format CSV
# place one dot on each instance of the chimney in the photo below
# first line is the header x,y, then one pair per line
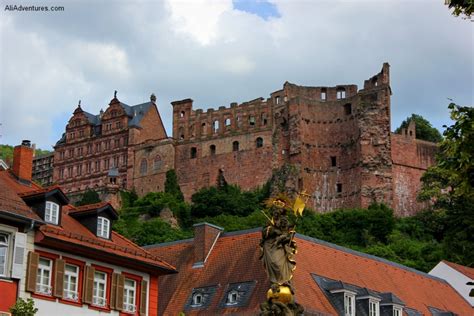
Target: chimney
x,y
205,237
23,161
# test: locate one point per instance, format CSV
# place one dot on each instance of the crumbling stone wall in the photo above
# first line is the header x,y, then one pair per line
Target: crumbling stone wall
x,y
335,140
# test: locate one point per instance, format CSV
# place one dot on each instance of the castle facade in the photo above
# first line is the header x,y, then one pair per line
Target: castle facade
x,y
334,142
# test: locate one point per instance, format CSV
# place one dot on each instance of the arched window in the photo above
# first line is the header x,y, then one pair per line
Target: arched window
x,y
212,150
203,128
143,166
259,142
197,299
227,122
181,114
235,146
157,163
341,93
181,133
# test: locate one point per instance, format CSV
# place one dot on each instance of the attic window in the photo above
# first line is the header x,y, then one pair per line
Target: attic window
x,y
232,298
349,304
197,300
374,309
103,227
51,213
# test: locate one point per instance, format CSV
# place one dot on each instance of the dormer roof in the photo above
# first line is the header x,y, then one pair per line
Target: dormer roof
x,y
44,193
93,209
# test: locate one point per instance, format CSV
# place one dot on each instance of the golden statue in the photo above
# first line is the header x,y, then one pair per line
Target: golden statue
x,y
278,250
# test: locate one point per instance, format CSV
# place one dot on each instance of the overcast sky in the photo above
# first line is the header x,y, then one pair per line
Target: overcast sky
x,y
222,51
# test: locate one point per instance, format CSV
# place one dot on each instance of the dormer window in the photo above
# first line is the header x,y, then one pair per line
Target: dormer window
x,y
374,309
349,304
397,311
197,300
51,214
103,227
232,298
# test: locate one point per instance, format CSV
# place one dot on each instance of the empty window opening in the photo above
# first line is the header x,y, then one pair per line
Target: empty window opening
x,y
193,152
341,93
235,146
348,109
259,142
339,187
251,120
181,133
375,82
227,122
239,121
181,114
203,128
212,150
277,100
411,133
333,161
264,119
215,126
323,94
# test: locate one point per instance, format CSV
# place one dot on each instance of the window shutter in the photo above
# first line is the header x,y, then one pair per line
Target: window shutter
x,y
119,297
143,298
88,284
32,271
59,265
19,256
113,291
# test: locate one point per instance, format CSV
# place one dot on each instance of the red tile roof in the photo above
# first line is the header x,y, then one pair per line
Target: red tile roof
x,y
10,202
235,258
72,234
469,272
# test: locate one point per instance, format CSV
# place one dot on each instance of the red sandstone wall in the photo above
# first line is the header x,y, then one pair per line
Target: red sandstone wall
x,y
411,157
249,167
159,156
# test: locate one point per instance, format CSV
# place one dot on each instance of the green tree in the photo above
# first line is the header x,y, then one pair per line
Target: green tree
x,y
89,197
172,186
449,185
461,7
424,129
24,308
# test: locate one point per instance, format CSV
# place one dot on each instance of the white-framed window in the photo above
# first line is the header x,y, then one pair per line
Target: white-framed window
x,y
197,299
397,311
129,295
374,309
71,276
232,297
51,213
4,242
103,227
100,289
349,304
43,277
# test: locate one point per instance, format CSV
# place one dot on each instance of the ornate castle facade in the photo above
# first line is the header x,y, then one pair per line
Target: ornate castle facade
x,y
335,142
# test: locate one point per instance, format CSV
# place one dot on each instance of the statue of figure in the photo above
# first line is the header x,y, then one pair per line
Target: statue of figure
x,y
278,249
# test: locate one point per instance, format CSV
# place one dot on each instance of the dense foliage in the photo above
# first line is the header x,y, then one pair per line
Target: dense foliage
x,y
461,7
88,197
424,129
449,185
